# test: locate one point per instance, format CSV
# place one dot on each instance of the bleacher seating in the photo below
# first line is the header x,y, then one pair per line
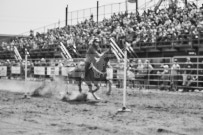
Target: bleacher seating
x,y
171,29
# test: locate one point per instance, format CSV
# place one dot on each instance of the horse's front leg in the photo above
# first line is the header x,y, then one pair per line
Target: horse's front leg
x,y
89,86
95,90
97,87
80,85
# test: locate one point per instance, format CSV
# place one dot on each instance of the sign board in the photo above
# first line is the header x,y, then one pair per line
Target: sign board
x,y
39,70
3,71
52,70
15,70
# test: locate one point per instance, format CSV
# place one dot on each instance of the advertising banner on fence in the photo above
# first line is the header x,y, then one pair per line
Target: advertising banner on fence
x,y
52,70
39,70
3,71
15,70
66,70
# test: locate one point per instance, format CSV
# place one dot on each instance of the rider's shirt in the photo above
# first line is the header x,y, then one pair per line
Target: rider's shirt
x,y
91,54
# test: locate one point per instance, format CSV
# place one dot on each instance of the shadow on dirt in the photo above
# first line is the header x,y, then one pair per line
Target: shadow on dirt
x,y
94,103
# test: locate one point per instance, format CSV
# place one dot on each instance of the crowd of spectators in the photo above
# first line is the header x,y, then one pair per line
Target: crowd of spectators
x,y
161,27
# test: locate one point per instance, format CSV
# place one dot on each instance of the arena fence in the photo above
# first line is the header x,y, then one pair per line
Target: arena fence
x,y
157,73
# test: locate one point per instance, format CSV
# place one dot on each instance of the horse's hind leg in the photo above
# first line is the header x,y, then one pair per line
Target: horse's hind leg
x,y
97,87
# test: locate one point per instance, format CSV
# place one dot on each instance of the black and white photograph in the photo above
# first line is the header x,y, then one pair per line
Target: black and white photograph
x,y
101,67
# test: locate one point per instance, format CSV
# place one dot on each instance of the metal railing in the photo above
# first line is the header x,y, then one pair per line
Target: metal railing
x,y
161,76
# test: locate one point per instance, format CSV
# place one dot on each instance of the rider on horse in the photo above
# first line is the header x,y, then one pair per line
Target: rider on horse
x,y
92,53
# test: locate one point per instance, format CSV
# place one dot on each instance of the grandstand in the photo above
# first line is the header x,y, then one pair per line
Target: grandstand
x,y
157,32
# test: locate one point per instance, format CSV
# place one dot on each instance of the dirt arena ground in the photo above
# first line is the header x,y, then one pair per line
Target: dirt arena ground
x,y
153,113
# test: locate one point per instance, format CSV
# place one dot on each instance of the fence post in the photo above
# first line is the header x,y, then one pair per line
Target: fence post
x,y
66,15
104,11
97,12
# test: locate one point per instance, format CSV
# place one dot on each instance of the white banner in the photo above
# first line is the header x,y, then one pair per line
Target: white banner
x,y
66,70
39,70
3,71
52,70
15,70
109,73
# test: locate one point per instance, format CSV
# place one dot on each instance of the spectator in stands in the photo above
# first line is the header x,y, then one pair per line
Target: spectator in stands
x,y
175,72
188,70
147,70
140,74
43,62
8,64
201,7
188,75
165,78
60,63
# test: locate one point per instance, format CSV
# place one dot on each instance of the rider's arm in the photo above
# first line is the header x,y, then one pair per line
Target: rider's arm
x,y
94,51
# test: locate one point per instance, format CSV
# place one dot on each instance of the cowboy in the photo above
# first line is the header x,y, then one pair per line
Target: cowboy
x,y
93,52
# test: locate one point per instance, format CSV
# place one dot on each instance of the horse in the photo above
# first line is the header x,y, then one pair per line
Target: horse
x,y
95,74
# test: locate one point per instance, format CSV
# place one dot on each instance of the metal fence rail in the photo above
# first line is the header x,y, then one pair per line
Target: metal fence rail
x,y
161,76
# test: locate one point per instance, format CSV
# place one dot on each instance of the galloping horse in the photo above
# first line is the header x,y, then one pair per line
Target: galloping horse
x,y
95,74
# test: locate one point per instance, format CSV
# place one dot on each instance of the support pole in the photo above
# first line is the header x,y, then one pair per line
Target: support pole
x,y
25,82
185,3
25,67
136,7
124,109
97,12
66,15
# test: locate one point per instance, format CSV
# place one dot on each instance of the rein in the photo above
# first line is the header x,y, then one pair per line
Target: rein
x,y
97,70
